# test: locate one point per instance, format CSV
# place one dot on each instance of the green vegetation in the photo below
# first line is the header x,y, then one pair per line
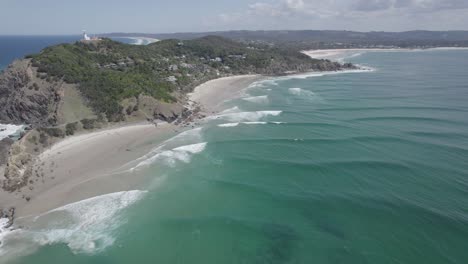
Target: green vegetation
x,y
108,72
53,132
70,128
89,123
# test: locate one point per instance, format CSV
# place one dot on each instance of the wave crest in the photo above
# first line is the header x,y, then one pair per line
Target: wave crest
x,y
248,123
7,130
171,157
86,226
263,99
246,116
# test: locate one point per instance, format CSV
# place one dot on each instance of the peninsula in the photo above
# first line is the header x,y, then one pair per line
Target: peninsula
x,y
91,85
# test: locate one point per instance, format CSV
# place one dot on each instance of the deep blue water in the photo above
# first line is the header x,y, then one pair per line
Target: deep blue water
x,y
16,47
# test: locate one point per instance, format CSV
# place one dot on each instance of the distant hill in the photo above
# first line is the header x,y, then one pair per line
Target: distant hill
x,y
320,39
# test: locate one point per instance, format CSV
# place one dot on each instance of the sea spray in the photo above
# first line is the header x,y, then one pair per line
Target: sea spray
x,y
7,130
301,76
228,125
248,123
234,109
245,116
171,157
263,99
263,83
300,92
86,227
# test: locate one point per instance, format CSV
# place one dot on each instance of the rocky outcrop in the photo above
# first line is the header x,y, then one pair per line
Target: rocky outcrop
x,y
8,214
27,97
18,169
5,145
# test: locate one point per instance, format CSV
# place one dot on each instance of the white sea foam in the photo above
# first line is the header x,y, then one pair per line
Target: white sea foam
x,y
245,116
320,74
86,227
142,40
7,130
263,83
3,228
255,123
229,125
263,99
362,69
302,92
188,137
248,123
234,109
171,157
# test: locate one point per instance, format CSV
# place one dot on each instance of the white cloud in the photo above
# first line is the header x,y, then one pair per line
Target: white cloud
x,y
312,13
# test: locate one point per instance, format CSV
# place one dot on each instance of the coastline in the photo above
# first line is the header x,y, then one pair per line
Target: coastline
x,y
142,40
93,169
332,53
91,164
81,160
212,94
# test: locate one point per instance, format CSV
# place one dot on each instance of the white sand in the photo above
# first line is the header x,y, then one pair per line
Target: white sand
x,y
87,165
143,40
336,53
211,95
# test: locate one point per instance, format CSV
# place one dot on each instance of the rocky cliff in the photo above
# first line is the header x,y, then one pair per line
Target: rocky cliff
x,y
27,99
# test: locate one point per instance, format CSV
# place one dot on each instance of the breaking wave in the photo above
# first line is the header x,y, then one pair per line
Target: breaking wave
x,y
361,69
263,83
171,157
257,99
246,116
229,125
305,94
300,91
86,227
234,109
7,130
248,123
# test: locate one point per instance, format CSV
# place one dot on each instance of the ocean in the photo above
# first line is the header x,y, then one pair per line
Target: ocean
x,y
368,167
16,47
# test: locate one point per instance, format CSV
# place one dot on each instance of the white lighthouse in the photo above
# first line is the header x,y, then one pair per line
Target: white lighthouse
x,y
85,36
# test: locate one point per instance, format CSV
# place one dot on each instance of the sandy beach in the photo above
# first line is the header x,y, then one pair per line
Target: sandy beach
x,y
75,168
92,164
212,94
143,40
337,53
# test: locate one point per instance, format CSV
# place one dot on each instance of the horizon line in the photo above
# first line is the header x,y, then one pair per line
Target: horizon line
x,y
238,30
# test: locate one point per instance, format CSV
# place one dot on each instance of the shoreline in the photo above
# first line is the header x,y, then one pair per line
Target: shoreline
x,y
142,40
212,94
100,166
331,53
79,160
91,164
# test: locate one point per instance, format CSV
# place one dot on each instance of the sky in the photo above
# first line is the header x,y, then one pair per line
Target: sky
x,y
56,17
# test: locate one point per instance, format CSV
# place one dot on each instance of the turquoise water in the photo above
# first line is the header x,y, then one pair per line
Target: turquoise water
x,y
364,168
